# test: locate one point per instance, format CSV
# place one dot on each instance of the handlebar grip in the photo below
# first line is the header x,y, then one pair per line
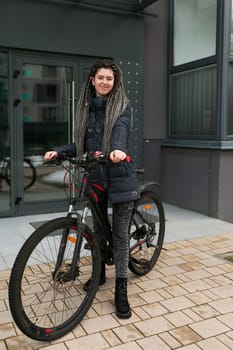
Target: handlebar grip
x,y
98,154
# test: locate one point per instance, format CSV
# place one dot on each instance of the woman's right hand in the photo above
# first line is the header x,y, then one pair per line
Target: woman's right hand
x,y
50,155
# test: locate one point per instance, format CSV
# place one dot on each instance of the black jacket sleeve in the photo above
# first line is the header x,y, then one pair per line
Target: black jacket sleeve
x,y
121,132
69,150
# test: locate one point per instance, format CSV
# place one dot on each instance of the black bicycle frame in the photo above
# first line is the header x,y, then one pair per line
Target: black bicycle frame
x,y
91,194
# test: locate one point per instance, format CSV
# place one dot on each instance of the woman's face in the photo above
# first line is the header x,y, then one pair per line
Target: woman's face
x,y
103,81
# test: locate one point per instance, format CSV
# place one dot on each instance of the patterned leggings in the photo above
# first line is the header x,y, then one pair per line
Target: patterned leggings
x,y
121,214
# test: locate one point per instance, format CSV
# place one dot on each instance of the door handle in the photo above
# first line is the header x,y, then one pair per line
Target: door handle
x,y
73,106
18,200
16,102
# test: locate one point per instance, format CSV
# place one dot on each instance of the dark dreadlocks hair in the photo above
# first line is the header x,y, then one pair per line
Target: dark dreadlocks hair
x,y
115,104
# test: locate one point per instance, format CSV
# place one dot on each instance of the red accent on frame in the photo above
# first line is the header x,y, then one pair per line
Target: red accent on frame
x,y
94,195
99,187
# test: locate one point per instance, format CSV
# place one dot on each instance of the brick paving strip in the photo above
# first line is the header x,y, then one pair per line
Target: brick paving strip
x,y
186,302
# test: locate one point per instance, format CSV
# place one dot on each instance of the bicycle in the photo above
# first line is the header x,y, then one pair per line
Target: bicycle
x,y
46,289
29,172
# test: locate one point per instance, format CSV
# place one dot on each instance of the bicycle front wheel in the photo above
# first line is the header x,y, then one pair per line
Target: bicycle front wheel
x,y
45,302
146,231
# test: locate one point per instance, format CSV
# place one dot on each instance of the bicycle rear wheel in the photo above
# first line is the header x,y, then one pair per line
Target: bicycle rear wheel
x,y
46,304
146,230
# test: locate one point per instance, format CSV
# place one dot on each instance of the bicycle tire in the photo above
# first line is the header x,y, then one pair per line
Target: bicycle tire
x,y
43,305
29,173
146,232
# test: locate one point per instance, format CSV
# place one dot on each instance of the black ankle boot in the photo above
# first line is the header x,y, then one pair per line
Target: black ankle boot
x,y
102,278
121,300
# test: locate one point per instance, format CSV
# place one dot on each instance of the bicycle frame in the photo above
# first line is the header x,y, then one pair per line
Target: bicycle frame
x,y
89,192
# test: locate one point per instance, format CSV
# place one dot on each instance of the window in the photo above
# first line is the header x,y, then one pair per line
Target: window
x,y
194,30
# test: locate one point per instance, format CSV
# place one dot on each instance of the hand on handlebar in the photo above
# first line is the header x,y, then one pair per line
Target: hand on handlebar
x,y
50,155
117,155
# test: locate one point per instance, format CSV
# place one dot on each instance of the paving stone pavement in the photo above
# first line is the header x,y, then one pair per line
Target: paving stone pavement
x,y
185,302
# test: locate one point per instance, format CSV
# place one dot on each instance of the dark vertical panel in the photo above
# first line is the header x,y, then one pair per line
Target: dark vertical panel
x,y
185,180
4,99
230,101
193,111
155,72
133,82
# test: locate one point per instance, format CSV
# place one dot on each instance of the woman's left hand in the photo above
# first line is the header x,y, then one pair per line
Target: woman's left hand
x,y
117,155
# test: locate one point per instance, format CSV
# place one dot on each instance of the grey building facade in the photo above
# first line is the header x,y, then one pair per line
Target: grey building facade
x,y
197,152
176,60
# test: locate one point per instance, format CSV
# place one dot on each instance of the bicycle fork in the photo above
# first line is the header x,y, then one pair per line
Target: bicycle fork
x,y
71,271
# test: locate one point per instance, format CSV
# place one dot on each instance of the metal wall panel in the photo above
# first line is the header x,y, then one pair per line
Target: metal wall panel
x,y
133,6
230,101
186,178
133,83
70,29
193,103
225,187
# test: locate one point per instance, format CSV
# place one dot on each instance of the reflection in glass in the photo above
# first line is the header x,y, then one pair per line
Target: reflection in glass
x,y
4,64
45,115
4,135
195,24
44,100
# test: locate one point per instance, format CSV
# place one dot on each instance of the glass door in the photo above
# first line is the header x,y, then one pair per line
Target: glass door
x,y
4,136
44,100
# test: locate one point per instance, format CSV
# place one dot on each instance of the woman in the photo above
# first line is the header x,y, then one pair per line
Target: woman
x,y
102,123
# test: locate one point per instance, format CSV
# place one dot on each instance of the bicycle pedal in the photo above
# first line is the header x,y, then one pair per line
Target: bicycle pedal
x,y
87,246
145,263
150,245
109,256
109,261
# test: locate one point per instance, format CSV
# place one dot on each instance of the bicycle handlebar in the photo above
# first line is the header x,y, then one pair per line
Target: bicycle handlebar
x,y
87,159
